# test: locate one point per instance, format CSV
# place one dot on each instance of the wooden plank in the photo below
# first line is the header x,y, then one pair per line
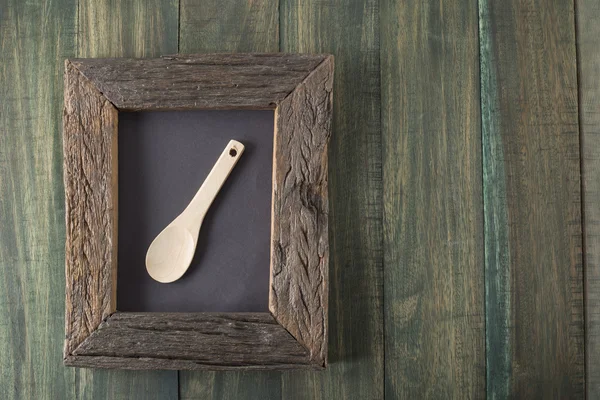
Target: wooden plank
x,y
350,31
433,226
496,253
128,28
298,292
588,45
90,176
124,28
249,385
121,384
191,341
300,246
34,40
534,277
203,81
162,364
229,26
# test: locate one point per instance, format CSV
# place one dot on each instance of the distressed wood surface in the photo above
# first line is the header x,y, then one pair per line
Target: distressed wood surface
x,y
239,34
202,81
530,39
588,49
534,277
300,247
496,251
161,364
229,26
191,341
124,384
299,238
34,40
127,28
246,385
350,31
90,178
433,227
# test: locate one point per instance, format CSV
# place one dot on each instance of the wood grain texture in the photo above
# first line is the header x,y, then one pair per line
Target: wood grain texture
x,y
246,385
350,31
191,341
299,236
496,253
534,277
123,384
249,27
35,37
229,26
203,81
90,178
433,228
588,50
126,28
161,364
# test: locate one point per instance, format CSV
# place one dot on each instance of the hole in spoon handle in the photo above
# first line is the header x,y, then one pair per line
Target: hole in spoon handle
x,y
215,179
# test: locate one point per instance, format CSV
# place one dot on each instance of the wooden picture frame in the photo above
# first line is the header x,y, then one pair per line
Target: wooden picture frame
x,y
294,333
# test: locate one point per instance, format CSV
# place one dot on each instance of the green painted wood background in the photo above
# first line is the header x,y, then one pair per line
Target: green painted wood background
x,y
464,172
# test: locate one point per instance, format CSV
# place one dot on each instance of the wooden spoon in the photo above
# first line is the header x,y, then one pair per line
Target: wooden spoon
x,y
171,252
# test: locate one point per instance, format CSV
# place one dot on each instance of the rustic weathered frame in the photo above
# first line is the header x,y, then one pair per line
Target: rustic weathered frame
x,y
294,333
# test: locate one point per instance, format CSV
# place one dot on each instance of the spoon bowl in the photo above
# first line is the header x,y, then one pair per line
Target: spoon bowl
x,y
170,254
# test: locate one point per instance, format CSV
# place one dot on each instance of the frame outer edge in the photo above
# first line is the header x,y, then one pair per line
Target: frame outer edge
x,y
298,294
142,363
91,252
218,341
89,171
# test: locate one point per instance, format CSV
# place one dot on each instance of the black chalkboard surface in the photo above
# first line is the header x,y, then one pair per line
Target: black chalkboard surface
x,y
163,159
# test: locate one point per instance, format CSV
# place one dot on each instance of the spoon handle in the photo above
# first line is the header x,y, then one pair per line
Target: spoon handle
x,y
214,181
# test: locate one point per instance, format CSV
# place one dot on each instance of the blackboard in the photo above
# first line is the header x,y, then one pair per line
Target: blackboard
x,y
163,159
